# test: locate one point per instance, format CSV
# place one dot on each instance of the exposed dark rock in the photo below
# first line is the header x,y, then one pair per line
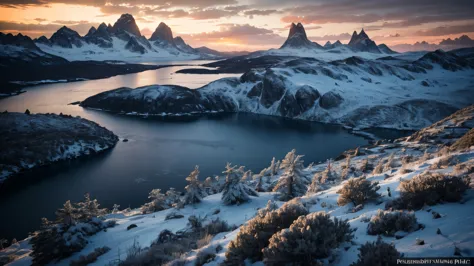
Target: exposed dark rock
x,y
363,43
252,75
256,90
306,97
330,100
134,46
131,226
297,38
273,88
127,23
66,37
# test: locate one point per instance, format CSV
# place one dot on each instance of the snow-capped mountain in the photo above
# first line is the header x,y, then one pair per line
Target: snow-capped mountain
x,y
122,41
297,38
361,42
298,44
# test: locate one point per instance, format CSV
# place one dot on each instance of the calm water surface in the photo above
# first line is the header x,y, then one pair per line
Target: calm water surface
x,y
160,152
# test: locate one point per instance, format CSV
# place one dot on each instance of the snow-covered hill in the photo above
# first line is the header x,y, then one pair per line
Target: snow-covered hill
x,y
356,92
30,141
443,229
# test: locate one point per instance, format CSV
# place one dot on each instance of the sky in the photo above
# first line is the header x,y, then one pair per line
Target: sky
x,y
237,25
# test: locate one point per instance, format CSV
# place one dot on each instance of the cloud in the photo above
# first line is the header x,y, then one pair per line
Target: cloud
x,y
244,34
34,30
70,22
119,9
399,13
101,3
342,36
41,19
257,12
447,30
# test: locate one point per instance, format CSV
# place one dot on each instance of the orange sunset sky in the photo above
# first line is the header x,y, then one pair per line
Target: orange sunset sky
x,y
229,25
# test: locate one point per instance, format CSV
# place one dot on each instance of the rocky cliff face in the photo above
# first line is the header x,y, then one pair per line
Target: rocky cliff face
x,y
127,23
162,33
362,42
67,38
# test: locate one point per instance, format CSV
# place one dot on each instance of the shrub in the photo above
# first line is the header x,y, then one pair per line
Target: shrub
x,y
204,256
390,163
215,227
465,142
91,257
254,236
204,241
364,165
377,253
357,191
378,168
444,162
308,238
430,188
388,223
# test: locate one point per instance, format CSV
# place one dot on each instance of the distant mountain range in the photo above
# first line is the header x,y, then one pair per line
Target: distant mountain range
x,y
121,41
446,44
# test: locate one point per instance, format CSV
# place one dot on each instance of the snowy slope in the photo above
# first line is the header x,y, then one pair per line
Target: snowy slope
x,y
117,52
456,231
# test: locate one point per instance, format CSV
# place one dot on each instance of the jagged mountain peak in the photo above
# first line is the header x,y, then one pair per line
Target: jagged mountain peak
x,y
91,31
297,38
296,29
127,23
363,43
163,32
328,44
337,43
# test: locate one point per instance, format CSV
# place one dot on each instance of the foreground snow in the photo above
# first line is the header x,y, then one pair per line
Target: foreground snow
x,y
454,223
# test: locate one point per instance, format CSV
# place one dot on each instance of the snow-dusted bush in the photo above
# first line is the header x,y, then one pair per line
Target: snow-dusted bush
x,y
215,227
235,191
364,165
378,168
89,208
465,142
388,223
377,253
430,188
194,191
445,162
204,256
271,206
347,168
309,238
254,236
173,198
91,257
390,163
158,202
292,183
357,191
55,241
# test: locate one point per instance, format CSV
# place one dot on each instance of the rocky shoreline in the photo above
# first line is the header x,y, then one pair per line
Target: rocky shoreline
x,y
29,141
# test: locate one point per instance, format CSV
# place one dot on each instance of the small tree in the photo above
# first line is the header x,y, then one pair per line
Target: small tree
x,y
378,168
247,175
365,165
390,162
388,223
357,191
273,167
315,185
173,198
67,215
347,169
258,187
235,192
89,208
309,238
115,208
292,183
158,202
194,193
